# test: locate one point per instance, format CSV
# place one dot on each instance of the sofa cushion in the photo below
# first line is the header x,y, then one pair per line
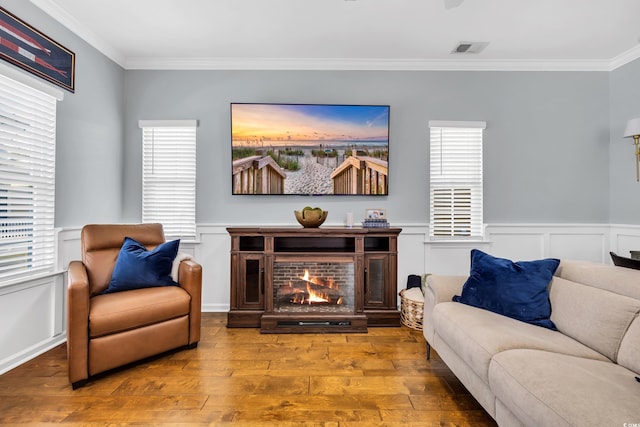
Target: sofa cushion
x,y
623,281
629,353
595,317
137,267
514,289
122,311
477,335
548,389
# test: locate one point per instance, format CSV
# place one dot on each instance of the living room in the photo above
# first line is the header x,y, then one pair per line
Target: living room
x,y
559,176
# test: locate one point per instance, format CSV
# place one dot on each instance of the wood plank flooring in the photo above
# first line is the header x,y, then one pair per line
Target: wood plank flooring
x,y
243,378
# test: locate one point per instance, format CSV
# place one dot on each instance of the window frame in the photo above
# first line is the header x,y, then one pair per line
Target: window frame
x,y
456,173
28,245
169,175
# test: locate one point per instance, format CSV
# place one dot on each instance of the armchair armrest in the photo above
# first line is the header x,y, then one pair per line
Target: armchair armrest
x,y
190,279
77,322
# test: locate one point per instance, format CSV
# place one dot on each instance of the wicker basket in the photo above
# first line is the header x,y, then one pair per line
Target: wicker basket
x,y
411,312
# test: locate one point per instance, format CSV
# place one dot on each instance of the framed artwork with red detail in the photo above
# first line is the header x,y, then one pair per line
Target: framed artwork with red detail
x,y
29,49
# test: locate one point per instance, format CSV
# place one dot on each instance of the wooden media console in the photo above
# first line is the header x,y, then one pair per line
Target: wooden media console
x,y
328,279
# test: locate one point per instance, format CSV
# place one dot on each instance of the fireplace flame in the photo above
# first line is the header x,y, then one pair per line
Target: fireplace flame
x,y
315,296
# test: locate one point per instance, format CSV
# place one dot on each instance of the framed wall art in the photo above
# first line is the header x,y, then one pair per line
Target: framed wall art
x,y
309,149
24,46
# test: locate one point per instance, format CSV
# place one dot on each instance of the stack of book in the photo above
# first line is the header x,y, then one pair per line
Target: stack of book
x,y
375,223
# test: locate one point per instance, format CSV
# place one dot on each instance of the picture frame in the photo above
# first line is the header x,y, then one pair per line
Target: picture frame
x,y
27,48
309,149
375,213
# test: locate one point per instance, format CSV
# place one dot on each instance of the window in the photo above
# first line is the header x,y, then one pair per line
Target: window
x,y
27,186
455,200
169,175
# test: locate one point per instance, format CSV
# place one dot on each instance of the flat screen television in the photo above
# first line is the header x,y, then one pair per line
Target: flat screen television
x,y
310,149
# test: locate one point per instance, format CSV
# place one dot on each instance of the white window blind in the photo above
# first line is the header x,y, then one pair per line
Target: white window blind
x,y
169,176
27,184
455,200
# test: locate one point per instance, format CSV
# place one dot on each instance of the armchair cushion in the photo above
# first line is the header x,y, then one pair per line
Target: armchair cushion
x,y
137,267
123,311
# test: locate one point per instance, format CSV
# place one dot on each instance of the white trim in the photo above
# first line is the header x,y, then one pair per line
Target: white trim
x,y
23,77
79,29
167,123
373,64
457,124
215,308
625,57
30,353
22,281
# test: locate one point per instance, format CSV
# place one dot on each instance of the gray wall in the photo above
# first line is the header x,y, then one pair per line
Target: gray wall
x,y
89,129
625,105
551,154
546,143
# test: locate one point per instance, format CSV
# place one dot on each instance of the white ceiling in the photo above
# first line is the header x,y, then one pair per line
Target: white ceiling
x,y
356,34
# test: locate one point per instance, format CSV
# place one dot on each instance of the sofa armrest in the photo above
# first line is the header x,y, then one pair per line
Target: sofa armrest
x,y
190,279
77,322
438,289
443,288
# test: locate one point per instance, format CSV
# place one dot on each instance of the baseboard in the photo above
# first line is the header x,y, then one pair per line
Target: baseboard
x,y
24,356
215,308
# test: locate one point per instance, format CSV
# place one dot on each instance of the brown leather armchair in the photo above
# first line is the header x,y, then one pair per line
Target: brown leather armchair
x,y
105,331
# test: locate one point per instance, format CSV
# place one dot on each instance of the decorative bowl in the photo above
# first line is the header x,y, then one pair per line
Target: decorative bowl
x,y
311,217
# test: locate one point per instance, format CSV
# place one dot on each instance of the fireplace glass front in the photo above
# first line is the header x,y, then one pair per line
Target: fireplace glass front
x,y
313,287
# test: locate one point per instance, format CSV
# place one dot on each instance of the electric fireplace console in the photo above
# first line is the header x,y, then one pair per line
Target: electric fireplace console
x,y
328,279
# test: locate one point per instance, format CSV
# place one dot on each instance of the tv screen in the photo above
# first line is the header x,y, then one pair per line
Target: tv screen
x,y
310,149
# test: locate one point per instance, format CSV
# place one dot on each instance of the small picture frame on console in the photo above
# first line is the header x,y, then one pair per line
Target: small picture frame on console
x,y
375,213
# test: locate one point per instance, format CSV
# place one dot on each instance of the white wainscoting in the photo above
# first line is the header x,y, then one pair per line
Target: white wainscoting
x,y
33,313
590,242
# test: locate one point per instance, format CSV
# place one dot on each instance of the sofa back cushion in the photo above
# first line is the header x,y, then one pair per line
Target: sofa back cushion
x,y
629,353
597,318
620,280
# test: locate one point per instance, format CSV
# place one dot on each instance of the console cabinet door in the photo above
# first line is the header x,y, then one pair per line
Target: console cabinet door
x,y
376,281
251,286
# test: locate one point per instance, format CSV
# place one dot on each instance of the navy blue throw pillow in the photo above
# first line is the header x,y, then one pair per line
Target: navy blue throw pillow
x,y
515,289
136,267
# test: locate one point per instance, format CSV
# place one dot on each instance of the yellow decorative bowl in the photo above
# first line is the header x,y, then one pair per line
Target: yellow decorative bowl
x,y
311,218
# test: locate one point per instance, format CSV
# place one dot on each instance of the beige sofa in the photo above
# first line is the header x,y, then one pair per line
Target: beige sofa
x,y
583,374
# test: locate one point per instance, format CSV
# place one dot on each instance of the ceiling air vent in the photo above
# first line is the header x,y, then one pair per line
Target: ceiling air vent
x,y
469,47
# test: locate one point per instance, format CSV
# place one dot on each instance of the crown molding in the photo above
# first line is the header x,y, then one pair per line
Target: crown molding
x,y
625,57
363,64
80,30
347,64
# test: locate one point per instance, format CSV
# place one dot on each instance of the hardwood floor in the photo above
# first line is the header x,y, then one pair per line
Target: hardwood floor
x,y
243,378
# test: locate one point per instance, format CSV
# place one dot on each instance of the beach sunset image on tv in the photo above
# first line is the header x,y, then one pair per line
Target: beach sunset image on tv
x,y
310,149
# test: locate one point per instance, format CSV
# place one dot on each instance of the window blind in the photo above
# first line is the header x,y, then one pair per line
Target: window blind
x,y
27,180
455,200
169,176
